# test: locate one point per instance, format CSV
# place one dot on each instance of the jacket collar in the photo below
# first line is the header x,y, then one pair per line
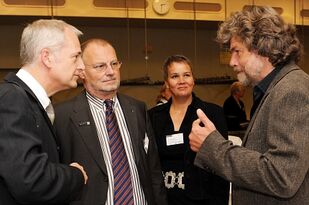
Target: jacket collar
x,y
281,74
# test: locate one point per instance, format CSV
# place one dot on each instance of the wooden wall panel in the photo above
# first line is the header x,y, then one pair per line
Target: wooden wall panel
x,y
293,11
284,7
302,15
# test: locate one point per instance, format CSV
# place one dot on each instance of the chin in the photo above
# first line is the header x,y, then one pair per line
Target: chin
x,y
73,84
243,79
109,88
184,95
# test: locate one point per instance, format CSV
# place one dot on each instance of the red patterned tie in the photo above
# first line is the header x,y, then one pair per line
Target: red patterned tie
x,y
123,192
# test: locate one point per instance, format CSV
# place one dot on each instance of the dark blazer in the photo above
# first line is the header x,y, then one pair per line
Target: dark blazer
x,y
273,167
199,184
30,172
233,113
79,141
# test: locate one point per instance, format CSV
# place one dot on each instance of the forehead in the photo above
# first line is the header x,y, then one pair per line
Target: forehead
x,y
236,42
179,66
99,52
71,39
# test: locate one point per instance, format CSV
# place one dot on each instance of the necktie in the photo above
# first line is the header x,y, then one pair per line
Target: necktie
x,y
123,192
50,112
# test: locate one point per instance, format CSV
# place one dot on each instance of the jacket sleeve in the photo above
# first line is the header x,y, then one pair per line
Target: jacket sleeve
x,y
277,143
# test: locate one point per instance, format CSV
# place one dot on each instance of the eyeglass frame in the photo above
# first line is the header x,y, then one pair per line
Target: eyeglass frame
x,y
102,67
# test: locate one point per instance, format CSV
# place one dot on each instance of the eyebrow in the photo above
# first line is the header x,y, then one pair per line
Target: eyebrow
x,y
79,53
174,73
187,72
232,49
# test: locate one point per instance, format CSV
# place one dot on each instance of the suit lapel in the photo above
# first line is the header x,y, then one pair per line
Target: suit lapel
x,y
84,123
284,71
129,111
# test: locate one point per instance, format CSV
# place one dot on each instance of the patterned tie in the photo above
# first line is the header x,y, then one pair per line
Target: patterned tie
x,y
123,192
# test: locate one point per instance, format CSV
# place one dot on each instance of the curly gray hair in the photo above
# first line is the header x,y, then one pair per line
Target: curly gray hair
x,y
263,30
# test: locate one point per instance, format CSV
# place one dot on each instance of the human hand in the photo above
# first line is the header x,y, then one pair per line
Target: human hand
x,y
81,168
201,128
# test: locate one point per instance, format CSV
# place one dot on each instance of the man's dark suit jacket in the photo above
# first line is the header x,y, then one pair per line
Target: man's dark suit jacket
x,y
79,141
30,172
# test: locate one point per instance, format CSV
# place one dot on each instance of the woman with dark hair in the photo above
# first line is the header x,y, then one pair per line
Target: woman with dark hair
x,y
172,121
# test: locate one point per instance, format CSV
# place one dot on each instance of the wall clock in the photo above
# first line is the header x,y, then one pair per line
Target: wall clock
x,y
161,6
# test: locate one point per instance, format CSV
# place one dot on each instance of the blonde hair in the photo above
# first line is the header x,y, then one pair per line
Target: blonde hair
x,y
237,87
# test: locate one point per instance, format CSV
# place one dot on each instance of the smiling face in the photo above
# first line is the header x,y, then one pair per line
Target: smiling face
x,y
180,80
100,83
250,67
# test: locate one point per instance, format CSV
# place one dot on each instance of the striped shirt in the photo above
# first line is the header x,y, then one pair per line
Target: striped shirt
x,y
98,108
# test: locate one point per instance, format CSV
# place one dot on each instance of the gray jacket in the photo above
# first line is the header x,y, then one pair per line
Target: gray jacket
x,y
271,167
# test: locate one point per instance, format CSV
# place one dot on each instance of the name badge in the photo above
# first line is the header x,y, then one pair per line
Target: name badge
x,y
174,139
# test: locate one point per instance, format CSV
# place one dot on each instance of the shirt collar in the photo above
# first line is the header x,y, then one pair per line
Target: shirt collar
x,y
34,86
98,103
262,87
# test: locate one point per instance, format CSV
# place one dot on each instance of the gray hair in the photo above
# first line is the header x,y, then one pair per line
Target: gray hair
x,y
43,33
262,29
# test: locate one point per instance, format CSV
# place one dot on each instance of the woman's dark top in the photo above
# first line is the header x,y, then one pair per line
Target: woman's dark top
x,y
187,184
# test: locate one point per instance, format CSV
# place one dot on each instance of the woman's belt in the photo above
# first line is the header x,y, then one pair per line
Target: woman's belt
x,y
172,179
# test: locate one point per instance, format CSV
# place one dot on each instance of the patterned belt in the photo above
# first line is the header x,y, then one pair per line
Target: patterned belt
x,y
172,179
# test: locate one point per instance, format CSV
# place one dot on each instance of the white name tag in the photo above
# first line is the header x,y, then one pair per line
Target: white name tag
x,y
174,139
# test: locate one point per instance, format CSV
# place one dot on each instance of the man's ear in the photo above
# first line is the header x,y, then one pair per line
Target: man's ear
x,y
46,57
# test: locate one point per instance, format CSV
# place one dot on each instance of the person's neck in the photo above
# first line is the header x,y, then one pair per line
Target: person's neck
x,y
179,104
39,74
237,98
102,95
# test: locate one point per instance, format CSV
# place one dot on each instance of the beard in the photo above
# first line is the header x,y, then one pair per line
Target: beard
x,y
243,79
252,71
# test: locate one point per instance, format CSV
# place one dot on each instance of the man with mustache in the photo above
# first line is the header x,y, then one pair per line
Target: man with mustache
x,y
271,166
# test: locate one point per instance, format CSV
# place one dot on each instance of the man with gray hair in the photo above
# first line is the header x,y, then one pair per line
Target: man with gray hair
x,y
30,172
271,167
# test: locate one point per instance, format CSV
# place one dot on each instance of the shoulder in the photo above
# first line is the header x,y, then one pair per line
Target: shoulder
x,y
297,78
292,80
204,105
125,99
67,105
130,103
11,92
5,88
212,110
230,99
213,107
159,108
292,74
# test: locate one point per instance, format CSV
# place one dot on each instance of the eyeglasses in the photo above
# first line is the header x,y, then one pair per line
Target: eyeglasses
x,y
101,67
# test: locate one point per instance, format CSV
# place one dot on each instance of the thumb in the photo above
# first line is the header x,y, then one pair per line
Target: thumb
x,y
201,115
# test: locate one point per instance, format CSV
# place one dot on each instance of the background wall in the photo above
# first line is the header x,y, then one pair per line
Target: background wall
x,y
195,39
